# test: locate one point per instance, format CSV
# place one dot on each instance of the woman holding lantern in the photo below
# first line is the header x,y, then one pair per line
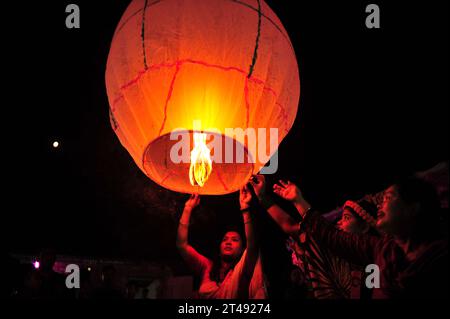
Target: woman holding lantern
x,y
237,274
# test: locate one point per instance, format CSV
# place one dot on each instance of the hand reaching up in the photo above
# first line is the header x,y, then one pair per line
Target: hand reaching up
x,y
193,201
288,191
245,197
258,183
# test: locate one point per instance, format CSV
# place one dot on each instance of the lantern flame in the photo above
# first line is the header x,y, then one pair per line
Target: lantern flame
x,y
201,164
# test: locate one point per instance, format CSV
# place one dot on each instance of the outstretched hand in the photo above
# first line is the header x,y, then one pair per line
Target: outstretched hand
x,y
245,197
193,201
258,183
288,191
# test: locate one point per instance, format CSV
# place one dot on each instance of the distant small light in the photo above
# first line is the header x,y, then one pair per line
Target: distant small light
x,y
89,268
55,144
36,264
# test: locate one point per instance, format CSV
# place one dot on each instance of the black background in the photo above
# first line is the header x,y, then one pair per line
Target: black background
x,y
374,105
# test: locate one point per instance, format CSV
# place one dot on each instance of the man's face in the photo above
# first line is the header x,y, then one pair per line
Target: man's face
x,y
394,215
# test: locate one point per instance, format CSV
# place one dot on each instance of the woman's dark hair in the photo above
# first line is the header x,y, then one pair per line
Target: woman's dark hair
x,y
413,190
215,270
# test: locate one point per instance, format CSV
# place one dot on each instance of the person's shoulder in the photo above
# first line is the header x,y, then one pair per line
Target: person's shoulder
x,y
386,245
209,262
385,240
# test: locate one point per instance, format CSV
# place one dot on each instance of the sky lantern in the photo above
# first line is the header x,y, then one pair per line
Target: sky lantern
x,y
201,92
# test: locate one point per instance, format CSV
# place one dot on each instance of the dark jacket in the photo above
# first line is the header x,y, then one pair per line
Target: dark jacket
x,y
426,276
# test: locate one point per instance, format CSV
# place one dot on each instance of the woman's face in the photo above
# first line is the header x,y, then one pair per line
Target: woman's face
x,y
231,245
350,223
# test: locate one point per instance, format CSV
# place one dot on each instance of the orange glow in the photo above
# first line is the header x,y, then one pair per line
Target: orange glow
x,y
225,64
201,164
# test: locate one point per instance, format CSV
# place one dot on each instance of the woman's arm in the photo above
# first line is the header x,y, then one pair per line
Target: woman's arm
x,y
251,256
283,219
194,259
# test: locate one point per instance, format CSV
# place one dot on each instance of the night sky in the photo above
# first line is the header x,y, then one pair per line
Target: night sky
x,y
373,106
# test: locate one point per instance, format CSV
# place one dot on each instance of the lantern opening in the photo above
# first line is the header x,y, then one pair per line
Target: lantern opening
x,y
201,165
162,164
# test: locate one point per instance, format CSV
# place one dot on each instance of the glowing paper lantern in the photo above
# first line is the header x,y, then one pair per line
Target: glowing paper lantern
x,y
218,63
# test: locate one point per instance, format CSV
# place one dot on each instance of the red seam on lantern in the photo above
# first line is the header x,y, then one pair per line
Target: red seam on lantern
x,y
113,120
116,100
258,81
247,103
221,181
282,110
169,95
181,62
224,68
283,115
138,77
134,81
151,67
166,177
178,64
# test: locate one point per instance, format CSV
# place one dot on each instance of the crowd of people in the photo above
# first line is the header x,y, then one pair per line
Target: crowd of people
x,y
397,236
